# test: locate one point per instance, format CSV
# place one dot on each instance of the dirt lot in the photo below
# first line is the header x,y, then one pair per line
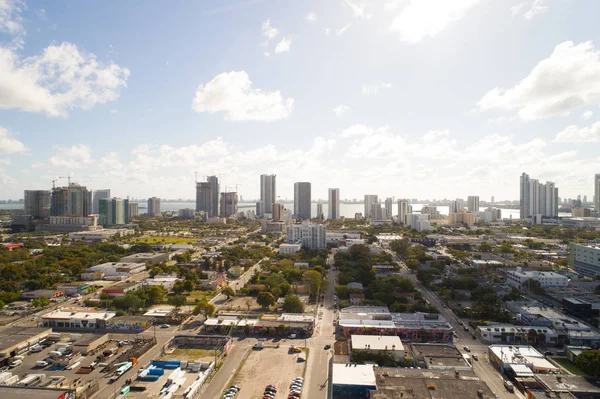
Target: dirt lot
x,y
191,355
241,304
274,366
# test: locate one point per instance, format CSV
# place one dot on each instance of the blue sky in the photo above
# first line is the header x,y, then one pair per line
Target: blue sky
x,y
405,98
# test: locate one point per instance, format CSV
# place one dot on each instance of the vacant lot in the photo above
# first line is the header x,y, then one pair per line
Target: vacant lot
x,y
243,303
199,295
567,365
191,355
274,366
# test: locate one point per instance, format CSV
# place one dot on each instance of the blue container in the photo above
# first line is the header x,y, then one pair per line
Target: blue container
x,y
149,378
156,371
171,366
177,362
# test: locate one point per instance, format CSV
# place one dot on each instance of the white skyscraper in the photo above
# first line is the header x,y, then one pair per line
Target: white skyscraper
x,y
389,205
312,236
404,210
370,200
537,198
473,203
334,204
597,192
97,195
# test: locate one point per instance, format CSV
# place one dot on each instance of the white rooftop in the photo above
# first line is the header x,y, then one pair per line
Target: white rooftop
x,y
68,315
377,342
158,312
521,370
353,374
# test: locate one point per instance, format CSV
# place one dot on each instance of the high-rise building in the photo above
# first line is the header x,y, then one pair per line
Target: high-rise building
x,y
334,204
204,198
302,200
153,206
113,211
214,182
268,194
456,206
278,212
537,199
370,199
377,212
492,200
70,201
229,204
311,235
37,203
389,205
473,203
133,209
97,195
404,210
320,215
597,192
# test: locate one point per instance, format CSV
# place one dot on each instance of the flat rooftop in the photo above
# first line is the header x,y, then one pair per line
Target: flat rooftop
x,y
396,383
10,392
377,342
435,350
571,383
12,336
69,315
353,374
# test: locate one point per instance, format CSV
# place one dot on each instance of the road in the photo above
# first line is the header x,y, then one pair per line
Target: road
x,y
220,380
482,368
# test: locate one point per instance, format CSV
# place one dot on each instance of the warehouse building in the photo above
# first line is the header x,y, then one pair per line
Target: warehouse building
x,y
17,340
90,343
9,392
149,257
40,293
68,319
379,344
118,270
73,288
120,289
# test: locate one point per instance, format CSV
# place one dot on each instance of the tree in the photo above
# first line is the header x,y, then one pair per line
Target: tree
x,y
178,287
485,247
228,292
188,285
412,263
155,294
313,281
400,246
265,299
41,302
589,361
177,301
205,308
1,304
293,304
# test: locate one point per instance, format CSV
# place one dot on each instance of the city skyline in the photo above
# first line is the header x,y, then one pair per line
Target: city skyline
x,y
467,111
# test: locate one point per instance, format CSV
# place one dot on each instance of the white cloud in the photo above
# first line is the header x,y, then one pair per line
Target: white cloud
x,y
327,31
427,18
284,45
340,110
371,90
74,157
567,80
358,9
62,78
232,93
11,21
363,130
392,4
535,7
10,145
587,115
268,30
574,134
311,17
341,31
5,179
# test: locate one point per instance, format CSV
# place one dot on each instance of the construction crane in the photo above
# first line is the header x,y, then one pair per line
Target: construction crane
x,y
69,178
236,186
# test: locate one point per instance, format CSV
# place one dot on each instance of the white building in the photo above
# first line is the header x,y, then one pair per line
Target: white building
x,y
312,236
523,360
420,222
473,203
404,210
585,259
120,270
289,248
335,238
165,280
537,198
100,235
518,278
379,343
334,204
370,201
67,319
512,334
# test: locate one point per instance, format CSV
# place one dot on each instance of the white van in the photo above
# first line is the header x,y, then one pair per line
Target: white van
x,y
54,354
36,348
41,363
15,363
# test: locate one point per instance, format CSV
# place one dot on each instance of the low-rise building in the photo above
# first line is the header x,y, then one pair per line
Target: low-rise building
x,y
165,280
151,258
356,298
377,344
120,289
512,334
100,235
520,361
355,286
585,259
581,223
382,270
118,270
519,279
289,248
74,319
73,289
17,340
352,380
36,294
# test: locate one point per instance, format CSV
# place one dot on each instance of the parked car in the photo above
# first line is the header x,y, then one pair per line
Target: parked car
x,y
467,349
41,363
548,353
327,347
475,357
36,349
164,326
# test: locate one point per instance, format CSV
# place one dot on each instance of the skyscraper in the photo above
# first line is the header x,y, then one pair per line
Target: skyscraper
x,y
97,195
597,192
302,200
153,206
455,206
133,209
204,198
537,198
369,201
37,203
229,204
113,211
473,203
70,201
214,182
334,204
320,211
404,210
278,212
268,194
389,205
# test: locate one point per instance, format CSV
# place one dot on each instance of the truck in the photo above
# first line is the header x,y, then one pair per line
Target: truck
x,y
120,371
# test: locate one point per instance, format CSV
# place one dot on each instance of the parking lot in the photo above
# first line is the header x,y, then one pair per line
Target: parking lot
x,y
269,366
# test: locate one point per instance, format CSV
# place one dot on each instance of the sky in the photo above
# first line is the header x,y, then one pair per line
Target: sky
x,y
405,98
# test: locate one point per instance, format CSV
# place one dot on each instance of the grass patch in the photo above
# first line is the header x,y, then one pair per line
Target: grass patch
x,y
199,295
193,354
567,365
166,240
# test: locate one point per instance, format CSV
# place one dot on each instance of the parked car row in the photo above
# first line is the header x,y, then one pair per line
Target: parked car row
x,y
296,388
231,392
270,392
